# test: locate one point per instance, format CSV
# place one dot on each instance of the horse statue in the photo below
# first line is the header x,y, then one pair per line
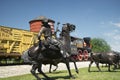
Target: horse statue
x,y
50,55
66,46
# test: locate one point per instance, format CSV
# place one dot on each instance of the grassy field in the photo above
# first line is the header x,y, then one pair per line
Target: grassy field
x,y
83,75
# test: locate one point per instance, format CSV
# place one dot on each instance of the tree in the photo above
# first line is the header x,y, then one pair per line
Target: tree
x,y
100,45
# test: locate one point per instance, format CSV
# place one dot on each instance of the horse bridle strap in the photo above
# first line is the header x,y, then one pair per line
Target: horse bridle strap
x,y
29,54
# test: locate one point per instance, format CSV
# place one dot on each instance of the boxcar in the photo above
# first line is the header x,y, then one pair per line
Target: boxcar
x,y
14,41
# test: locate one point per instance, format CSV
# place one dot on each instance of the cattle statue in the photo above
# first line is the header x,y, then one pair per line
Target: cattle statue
x,y
109,58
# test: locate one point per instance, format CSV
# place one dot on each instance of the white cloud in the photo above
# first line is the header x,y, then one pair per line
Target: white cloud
x,y
112,35
116,37
113,38
115,45
116,24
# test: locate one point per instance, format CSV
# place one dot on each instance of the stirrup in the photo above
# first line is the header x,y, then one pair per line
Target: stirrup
x,y
67,54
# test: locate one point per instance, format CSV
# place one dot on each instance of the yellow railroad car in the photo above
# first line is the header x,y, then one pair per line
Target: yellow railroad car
x,y
14,41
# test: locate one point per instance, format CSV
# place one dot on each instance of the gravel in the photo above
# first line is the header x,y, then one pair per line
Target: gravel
x,y
8,71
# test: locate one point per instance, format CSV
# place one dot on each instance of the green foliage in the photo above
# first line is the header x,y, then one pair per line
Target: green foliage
x,y
100,45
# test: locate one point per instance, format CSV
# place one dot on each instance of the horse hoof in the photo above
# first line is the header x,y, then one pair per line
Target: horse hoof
x,y
50,72
77,72
38,79
100,71
89,71
72,77
50,79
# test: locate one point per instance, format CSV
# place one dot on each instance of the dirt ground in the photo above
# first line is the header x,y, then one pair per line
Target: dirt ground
x,y
7,71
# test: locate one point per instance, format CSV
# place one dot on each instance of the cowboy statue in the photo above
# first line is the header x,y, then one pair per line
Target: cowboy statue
x,y
49,41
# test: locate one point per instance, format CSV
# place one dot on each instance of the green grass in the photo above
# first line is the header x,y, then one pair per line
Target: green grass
x,y
83,75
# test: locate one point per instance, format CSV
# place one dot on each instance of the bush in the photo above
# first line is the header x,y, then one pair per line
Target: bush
x,y
100,45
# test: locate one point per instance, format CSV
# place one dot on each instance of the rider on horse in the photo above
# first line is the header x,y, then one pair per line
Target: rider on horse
x,y
49,41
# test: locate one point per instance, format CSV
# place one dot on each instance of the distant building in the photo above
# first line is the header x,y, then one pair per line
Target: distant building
x,y
35,24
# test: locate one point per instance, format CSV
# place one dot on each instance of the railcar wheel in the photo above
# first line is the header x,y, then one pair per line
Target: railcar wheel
x,y
80,55
85,53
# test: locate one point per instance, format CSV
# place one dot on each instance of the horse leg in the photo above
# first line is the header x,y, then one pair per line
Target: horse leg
x,y
97,64
118,64
34,67
90,66
50,68
68,68
115,66
76,69
109,67
41,72
55,68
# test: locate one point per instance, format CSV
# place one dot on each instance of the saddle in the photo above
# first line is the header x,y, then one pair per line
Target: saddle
x,y
50,46
54,47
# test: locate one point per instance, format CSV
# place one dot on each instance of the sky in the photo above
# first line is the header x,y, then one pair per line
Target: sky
x,y
93,18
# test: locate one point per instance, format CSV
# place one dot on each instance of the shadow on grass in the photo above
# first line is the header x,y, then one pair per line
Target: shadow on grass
x,y
57,72
58,78
105,71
